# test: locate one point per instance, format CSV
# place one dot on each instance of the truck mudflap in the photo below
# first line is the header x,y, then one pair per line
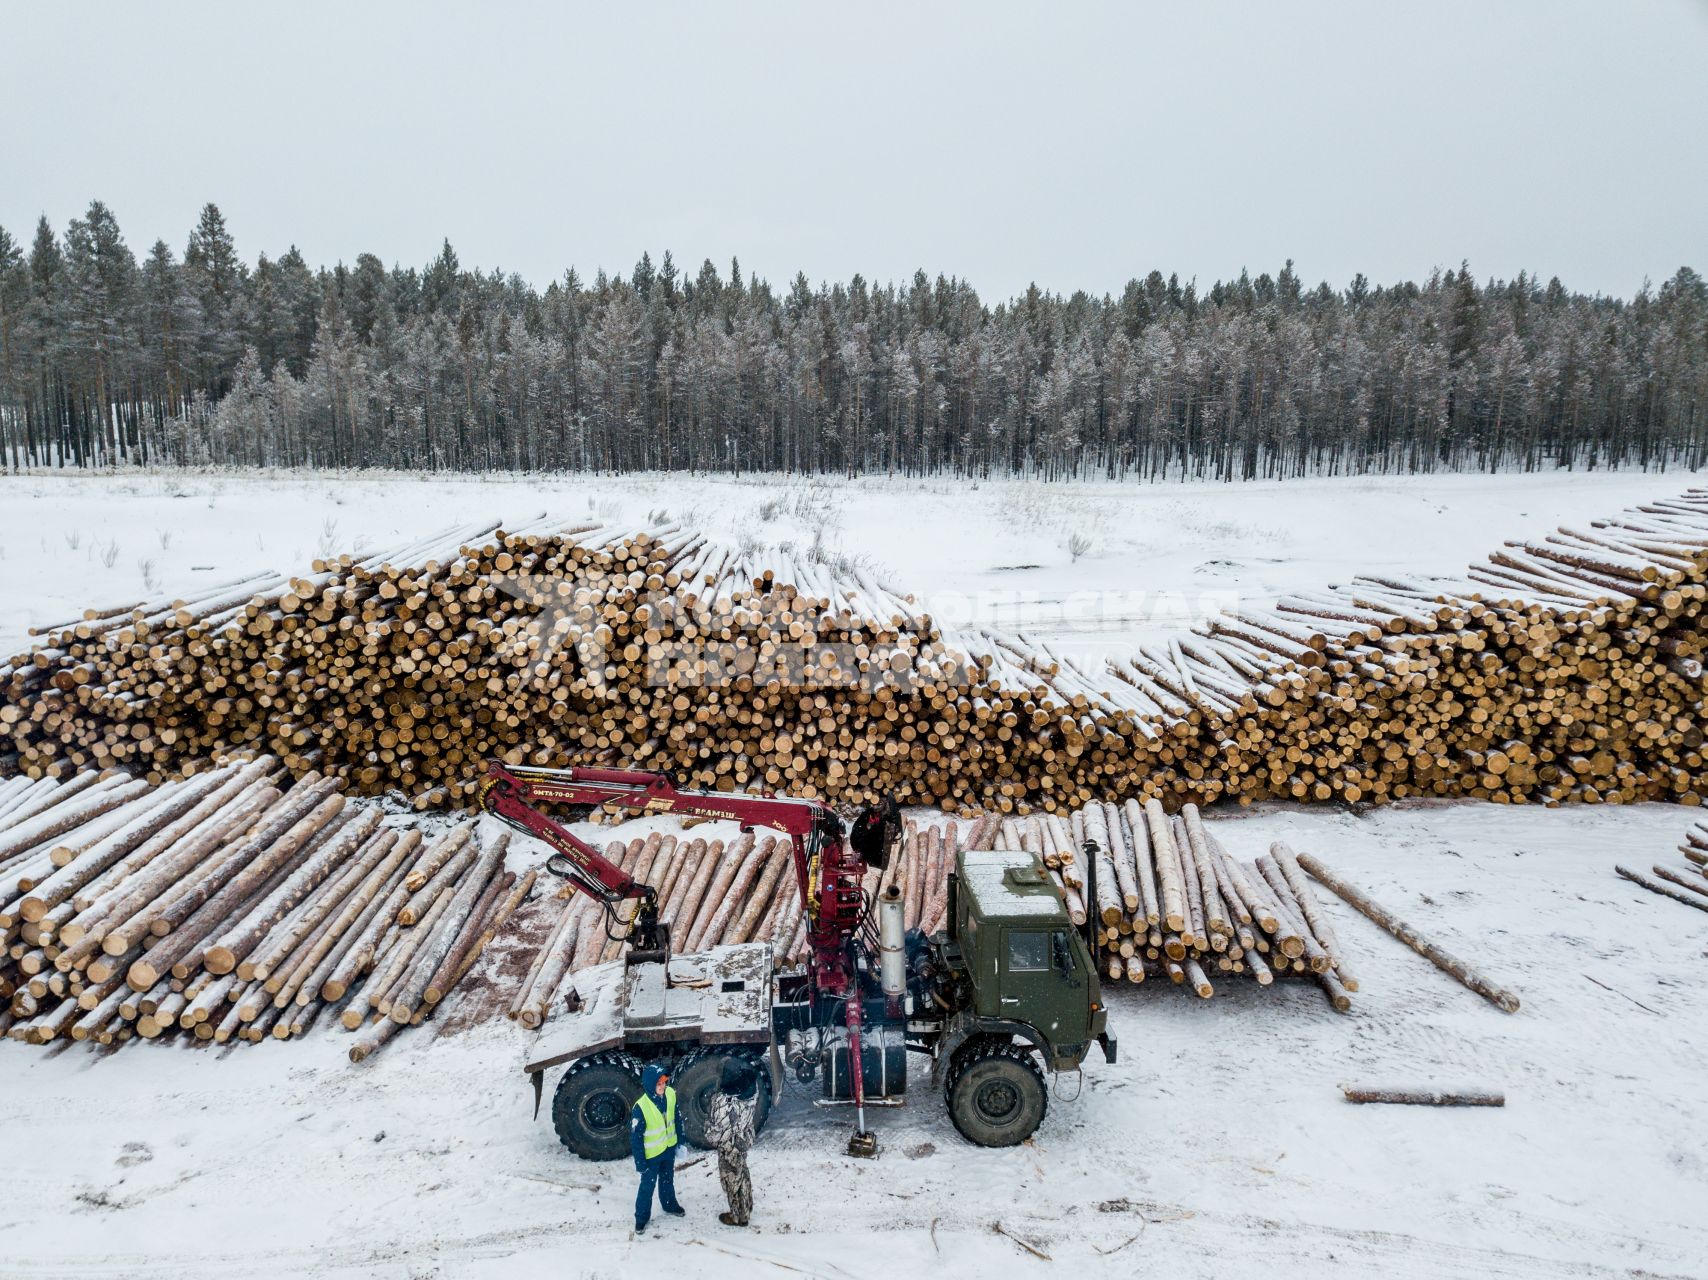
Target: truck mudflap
x,y
774,1062
1107,1043
539,1078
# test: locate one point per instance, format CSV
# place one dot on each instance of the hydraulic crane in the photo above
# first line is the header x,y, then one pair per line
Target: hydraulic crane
x,y
867,996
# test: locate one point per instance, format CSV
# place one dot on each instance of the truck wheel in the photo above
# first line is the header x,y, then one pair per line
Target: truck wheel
x,y
996,1094
590,1109
698,1081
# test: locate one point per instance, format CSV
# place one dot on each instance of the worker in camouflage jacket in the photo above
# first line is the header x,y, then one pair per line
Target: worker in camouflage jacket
x,y
655,1133
730,1117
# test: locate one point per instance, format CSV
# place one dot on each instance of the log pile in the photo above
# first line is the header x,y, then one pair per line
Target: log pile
x,y
231,903
1686,881
234,904
1163,895
1565,669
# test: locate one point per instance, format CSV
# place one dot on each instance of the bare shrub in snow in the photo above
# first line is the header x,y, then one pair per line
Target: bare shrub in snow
x,y
165,539
149,581
842,562
1078,545
74,538
328,538
109,554
817,503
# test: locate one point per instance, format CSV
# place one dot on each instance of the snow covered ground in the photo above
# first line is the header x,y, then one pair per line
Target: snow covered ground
x,y
999,552
1217,1146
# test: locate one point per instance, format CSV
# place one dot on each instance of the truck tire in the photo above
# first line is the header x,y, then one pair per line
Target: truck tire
x,y
698,1080
590,1109
996,1093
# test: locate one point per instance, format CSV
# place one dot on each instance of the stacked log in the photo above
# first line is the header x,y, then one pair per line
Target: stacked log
x,y
1565,669
230,904
1161,895
233,903
1439,956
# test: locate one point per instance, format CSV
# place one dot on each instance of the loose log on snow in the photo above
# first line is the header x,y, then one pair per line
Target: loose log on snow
x,y
1443,960
1197,848
717,891
1424,1097
1661,889
740,884
1695,885
765,886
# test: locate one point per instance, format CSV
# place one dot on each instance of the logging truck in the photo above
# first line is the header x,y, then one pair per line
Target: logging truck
x,y
1004,994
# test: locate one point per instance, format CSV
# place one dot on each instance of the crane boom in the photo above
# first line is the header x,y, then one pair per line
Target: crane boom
x,y
828,868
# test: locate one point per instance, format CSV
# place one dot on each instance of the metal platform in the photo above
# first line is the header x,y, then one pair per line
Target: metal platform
x,y
719,996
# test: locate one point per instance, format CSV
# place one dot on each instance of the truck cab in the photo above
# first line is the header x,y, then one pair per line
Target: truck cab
x,y
1020,993
1024,958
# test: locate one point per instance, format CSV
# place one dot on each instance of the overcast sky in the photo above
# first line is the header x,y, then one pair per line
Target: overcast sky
x,y
1075,146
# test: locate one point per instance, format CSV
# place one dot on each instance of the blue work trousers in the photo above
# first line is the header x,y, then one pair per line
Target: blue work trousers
x,y
660,1171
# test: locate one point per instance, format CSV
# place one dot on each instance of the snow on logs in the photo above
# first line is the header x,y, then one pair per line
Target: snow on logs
x,y
229,903
1162,895
1568,668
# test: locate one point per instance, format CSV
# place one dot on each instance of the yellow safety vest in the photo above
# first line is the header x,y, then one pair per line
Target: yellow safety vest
x,y
660,1133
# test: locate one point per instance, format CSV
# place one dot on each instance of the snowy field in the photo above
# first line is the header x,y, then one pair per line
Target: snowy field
x,y
998,552
1217,1147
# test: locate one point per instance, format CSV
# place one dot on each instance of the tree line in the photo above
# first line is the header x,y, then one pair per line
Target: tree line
x,y
206,359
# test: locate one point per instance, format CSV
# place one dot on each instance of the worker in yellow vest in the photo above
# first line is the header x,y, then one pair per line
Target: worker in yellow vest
x,y
655,1131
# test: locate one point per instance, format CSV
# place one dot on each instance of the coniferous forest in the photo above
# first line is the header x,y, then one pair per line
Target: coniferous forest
x,y
109,357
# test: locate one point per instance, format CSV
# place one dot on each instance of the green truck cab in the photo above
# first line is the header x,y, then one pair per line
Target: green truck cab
x,y
1022,991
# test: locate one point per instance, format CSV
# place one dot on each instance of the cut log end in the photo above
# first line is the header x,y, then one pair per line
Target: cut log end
x,y
142,976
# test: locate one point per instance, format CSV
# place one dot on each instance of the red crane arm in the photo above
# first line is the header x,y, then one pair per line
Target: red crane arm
x,y
828,872
655,792
512,800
